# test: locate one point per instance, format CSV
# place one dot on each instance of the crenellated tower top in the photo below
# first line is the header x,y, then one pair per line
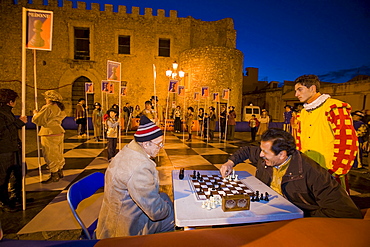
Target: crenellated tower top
x,y
108,8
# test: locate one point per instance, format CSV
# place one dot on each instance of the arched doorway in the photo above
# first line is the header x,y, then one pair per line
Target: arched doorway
x,y
78,91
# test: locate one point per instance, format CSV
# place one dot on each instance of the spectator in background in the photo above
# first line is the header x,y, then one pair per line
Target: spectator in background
x,y
158,110
50,119
148,111
294,124
177,116
361,132
253,125
287,117
137,112
127,114
81,118
366,118
10,150
223,115
200,120
366,145
97,119
205,125
264,120
189,121
106,116
112,133
231,122
115,107
212,123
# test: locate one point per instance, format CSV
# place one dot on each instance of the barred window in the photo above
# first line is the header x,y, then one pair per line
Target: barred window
x,y
164,47
82,43
124,44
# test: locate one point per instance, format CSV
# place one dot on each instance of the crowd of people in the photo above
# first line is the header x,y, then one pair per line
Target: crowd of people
x,y
307,161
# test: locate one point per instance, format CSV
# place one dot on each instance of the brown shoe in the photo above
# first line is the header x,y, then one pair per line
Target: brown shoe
x,y
53,178
60,173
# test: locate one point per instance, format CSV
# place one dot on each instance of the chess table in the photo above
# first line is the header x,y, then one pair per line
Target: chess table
x,y
189,212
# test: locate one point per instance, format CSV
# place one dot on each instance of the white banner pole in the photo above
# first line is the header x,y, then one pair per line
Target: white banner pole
x,y
227,119
198,129
103,109
24,28
120,112
37,108
165,121
87,114
155,97
184,114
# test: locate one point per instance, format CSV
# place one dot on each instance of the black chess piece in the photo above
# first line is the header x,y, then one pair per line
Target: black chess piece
x,y
194,175
257,199
252,197
267,197
216,186
199,177
261,198
181,174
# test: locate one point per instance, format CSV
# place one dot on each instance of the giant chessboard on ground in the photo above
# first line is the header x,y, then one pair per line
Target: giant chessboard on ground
x,y
217,186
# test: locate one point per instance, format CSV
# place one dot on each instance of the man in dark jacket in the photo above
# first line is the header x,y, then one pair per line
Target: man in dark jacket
x,y
10,155
295,176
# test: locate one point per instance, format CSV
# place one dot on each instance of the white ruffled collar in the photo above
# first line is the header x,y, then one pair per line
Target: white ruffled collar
x,y
316,103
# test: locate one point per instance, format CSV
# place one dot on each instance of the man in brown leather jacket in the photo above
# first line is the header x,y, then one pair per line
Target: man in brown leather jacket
x,y
295,176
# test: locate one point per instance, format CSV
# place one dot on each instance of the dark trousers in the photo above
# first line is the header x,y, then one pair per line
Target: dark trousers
x,y
112,146
230,132
253,133
200,127
81,126
177,124
10,164
211,134
223,128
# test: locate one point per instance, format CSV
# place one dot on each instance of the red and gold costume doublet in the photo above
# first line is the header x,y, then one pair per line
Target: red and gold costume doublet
x,y
326,134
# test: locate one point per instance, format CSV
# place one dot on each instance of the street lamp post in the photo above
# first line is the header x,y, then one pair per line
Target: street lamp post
x,y
177,75
174,74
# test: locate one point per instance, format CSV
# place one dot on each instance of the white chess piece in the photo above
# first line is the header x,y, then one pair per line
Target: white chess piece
x,y
217,199
208,205
233,176
212,202
236,177
224,179
204,204
208,192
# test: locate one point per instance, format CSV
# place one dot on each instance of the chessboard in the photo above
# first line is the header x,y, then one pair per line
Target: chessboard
x,y
205,186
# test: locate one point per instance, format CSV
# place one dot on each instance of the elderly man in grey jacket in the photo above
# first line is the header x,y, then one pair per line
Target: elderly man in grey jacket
x,y
132,204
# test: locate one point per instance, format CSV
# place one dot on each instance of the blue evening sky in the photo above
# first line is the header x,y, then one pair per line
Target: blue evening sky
x,y
286,38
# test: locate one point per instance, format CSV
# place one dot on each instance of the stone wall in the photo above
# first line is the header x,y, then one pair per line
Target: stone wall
x,y
57,69
216,67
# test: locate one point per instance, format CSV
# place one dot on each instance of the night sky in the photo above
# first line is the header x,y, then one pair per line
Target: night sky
x,y
286,38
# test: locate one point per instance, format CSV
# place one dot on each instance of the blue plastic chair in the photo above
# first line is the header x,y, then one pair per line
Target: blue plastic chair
x,y
80,190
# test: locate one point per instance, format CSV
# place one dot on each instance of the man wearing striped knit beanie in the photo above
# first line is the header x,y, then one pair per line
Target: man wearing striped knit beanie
x,y
132,203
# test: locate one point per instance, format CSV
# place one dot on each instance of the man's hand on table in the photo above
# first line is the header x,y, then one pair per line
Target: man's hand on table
x,y
227,168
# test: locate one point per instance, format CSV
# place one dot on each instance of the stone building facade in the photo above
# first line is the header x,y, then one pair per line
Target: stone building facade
x,y
206,51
